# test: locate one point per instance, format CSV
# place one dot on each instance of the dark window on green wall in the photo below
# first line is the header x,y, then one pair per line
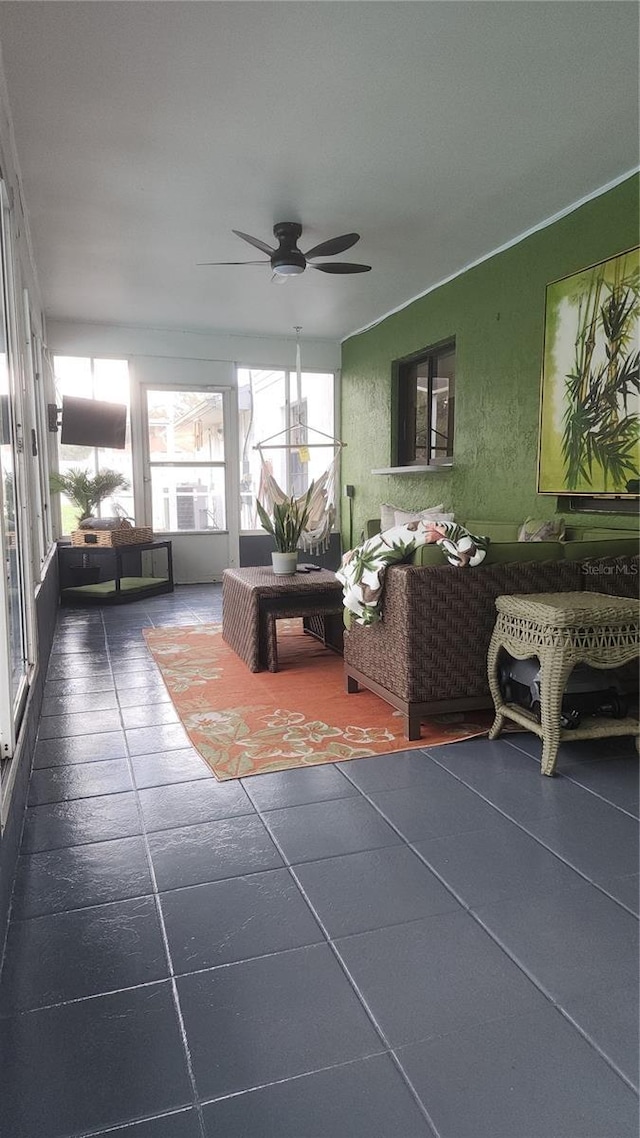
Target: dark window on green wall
x,y
424,401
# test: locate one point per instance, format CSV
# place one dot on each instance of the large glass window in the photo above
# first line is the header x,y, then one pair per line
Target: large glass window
x,y
42,438
37,444
269,403
424,400
106,380
186,459
14,524
10,522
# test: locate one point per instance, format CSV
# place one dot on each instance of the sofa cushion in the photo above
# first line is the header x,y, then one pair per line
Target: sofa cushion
x,y
504,552
599,533
499,553
427,555
495,531
600,547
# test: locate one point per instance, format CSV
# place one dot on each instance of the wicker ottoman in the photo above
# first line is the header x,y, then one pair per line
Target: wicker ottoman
x,y
253,599
562,630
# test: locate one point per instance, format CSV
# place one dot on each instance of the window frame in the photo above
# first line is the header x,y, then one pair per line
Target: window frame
x,y
12,704
37,443
216,464
55,510
403,408
293,401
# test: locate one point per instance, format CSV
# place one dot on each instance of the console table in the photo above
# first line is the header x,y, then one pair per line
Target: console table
x,y
254,599
111,575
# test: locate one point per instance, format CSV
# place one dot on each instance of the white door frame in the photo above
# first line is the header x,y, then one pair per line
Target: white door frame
x,y
142,477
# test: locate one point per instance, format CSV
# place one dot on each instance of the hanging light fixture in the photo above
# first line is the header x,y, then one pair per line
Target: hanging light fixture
x,y
298,329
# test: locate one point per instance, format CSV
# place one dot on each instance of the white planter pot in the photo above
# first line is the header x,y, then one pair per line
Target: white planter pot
x,y
284,563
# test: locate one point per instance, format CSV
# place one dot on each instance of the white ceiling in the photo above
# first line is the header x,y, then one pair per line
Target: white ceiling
x,y
147,131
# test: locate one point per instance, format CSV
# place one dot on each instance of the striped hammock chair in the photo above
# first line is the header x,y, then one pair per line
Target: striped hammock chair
x,y
322,508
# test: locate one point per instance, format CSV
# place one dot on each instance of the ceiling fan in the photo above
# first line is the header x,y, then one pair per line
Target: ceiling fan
x,y
286,260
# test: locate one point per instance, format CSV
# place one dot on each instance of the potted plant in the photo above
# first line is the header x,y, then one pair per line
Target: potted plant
x,y
86,491
285,526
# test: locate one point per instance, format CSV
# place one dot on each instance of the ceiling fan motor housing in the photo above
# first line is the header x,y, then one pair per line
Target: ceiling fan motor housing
x,y
287,260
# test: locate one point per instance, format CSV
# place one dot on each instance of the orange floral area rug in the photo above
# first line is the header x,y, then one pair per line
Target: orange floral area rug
x,y
246,723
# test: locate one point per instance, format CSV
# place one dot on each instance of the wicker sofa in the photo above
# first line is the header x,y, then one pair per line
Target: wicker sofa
x,y
428,653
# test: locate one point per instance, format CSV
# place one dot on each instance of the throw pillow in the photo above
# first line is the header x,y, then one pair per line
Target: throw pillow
x,y
539,529
433,514
388,512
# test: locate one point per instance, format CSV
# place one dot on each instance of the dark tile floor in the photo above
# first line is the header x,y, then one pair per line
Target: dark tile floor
x,y
433,943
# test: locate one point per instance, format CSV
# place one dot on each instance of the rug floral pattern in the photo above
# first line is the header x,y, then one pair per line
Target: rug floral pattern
x,y
246,723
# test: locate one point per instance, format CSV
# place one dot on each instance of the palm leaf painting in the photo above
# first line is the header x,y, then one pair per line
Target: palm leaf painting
x,y
589,421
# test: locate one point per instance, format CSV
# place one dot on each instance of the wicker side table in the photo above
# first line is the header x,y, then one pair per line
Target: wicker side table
x,y
562,630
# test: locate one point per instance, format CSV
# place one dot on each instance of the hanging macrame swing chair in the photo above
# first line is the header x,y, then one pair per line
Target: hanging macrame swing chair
x,y
322,507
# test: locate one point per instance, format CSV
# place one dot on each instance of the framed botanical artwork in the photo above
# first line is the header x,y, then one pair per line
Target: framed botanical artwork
x,y
590,399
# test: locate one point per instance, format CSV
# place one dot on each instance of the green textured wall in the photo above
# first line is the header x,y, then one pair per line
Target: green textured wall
x,y
496,313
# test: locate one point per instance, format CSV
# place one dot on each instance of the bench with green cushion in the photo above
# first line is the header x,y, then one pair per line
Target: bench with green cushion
x,y
107,589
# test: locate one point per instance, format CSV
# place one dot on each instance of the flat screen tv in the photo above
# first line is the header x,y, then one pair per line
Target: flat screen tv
x,y
91,423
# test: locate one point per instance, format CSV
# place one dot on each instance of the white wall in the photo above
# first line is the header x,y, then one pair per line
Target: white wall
x,y
78,339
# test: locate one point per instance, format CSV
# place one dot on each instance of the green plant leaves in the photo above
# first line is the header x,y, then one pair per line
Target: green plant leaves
x,y
598,429
289,520
87,491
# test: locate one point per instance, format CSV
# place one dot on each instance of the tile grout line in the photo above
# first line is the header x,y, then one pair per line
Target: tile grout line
x,y
291,871
26,807
556,1004
20,836
535,838
120,1129
576,782
163,932
474,916
336,955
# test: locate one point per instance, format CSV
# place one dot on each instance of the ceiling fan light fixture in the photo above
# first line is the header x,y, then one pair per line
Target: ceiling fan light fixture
x,y
288,261
288,269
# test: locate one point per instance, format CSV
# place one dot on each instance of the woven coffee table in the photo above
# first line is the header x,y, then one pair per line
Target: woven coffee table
x,y
562,630
254,599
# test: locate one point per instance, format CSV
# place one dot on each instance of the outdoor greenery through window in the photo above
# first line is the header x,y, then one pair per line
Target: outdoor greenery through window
x,y
424,402
269,403
106,380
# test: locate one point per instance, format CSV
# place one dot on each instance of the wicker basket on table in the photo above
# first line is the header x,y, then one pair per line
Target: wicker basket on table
x,y
122,534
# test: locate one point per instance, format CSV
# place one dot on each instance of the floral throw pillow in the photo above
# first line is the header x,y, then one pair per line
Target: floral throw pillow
x,y
537,529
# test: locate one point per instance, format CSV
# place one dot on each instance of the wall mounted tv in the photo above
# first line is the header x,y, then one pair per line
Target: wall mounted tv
x,y
92,423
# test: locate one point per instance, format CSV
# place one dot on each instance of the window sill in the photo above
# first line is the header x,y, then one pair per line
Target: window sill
x,y
414,469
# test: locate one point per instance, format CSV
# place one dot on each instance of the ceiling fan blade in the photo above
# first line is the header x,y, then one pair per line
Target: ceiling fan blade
x,y
232,262
341,267
255,241
335,245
